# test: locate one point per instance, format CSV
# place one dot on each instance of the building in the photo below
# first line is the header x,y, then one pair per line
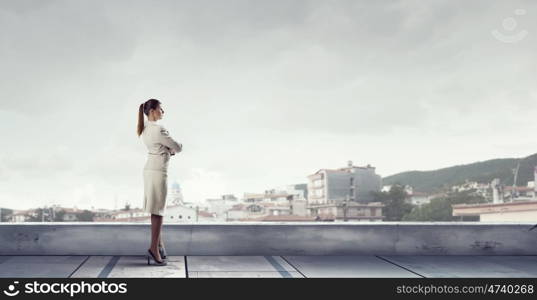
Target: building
x,y
102,214
19,216
136,215
180,214
47,214
205,216
273,196
297,195
69,214
175,194
345,194
419,198
482,189
519,211
220,206
242,211
288,200
281,218
520,193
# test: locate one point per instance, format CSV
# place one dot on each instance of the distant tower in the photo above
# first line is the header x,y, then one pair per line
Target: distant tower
x,y
176,195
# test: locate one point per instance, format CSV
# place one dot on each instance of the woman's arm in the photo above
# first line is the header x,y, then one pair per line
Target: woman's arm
x,y
165,139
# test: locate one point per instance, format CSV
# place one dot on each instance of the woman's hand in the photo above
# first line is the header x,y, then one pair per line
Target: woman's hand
x,y
171,151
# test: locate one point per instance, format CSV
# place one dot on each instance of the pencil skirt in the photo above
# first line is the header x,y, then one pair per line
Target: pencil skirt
x,y
155,189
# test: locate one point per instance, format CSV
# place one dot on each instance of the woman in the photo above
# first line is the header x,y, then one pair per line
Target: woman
x,y
160,147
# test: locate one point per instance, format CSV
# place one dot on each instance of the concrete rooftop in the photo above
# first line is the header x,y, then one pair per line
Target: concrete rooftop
x,y
372,266
285,250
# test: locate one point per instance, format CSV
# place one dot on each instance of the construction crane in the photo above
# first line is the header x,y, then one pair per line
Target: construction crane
x,y
515,172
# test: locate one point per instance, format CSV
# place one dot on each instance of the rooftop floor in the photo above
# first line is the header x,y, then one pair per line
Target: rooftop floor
x,y
374,266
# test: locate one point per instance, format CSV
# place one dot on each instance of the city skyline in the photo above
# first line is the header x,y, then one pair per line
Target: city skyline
x,y
260,94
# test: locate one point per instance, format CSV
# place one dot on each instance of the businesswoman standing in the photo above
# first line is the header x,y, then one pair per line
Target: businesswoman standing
x,y
161,146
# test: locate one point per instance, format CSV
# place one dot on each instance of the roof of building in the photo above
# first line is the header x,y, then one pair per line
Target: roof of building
x,y
239,206
130,219
344,169
206,214
280,218
519,188
267,195
22,212
483,208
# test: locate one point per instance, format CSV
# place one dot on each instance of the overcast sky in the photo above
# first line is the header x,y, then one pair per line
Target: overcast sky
x,y
260,93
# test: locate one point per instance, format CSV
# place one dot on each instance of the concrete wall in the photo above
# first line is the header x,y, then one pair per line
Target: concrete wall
x,y
254,238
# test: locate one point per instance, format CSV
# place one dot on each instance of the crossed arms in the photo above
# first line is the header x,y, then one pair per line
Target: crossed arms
x,y
166,140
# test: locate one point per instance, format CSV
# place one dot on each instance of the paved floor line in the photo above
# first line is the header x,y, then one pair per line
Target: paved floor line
x,y
85,260
391,262
296,269
4,258
241,271
186,268
108,268
278,267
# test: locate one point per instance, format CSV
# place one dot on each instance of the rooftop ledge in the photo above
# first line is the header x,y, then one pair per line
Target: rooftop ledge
x,y
275,238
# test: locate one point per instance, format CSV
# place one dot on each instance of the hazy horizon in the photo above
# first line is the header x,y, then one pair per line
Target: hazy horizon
x,y
261,94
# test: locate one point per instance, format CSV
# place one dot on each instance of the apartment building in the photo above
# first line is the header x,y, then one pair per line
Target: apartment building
x,y
345,194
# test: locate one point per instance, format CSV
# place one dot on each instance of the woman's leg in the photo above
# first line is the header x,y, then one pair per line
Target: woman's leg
x,y
160,243
156,225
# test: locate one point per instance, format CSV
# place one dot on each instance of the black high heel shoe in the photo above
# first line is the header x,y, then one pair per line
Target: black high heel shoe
x,y
157,263
162,252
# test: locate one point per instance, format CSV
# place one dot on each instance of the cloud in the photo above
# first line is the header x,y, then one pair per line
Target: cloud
x,y
261,94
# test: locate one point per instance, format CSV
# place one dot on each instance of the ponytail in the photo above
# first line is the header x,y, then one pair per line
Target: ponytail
x,y
145,108
140,128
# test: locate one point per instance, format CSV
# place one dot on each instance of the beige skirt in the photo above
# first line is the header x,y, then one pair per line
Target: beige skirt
x,y
155,189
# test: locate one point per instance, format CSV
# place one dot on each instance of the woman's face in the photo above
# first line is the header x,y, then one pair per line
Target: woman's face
x,y
157,113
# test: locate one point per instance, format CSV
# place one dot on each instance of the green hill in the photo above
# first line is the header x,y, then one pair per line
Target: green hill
x,y
484,171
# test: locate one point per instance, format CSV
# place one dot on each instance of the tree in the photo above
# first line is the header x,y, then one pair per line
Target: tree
x,y
5,214
85,215
41,214
395,205
439,209
58,216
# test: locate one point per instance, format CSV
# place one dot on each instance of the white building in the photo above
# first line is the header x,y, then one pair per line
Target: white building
x,y
180,214
521,211
22,215
175,194
242,211
419,199
220,206
136,215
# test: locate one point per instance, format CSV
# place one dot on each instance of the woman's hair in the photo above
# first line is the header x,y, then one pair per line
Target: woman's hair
x,y
144,109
